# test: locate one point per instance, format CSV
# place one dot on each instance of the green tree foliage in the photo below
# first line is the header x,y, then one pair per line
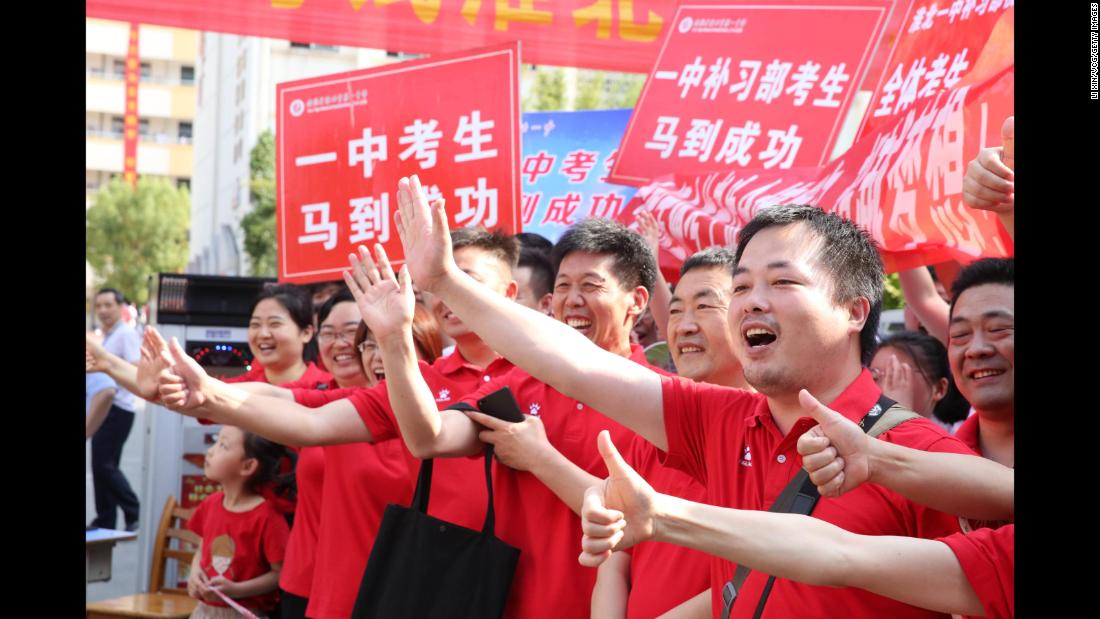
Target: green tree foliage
x,y
133,233
892,298
548,91
259,223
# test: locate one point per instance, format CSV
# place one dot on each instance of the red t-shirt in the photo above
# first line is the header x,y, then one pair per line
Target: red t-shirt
x,y
531,517
458,484
988,558
727,440
663,576
297,573
240,545
312,378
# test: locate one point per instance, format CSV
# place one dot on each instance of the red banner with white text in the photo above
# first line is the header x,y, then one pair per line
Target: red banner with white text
x,y
902,183
344,140
739,85
613,35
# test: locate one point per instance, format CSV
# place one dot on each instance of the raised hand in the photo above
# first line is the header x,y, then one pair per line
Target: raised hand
x,y
181,386
386,302
650,231
95,356
617,514
899,383
989,183
153,361
424,234
834,452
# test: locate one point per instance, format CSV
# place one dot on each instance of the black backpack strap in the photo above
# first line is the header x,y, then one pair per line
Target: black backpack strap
x,y
798,497
490,511
423,487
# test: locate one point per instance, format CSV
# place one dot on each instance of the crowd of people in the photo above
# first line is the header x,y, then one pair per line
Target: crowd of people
x,y
666,480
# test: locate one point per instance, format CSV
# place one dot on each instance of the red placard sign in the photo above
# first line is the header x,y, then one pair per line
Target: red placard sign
x,y
344,140
743,85
613,35
939,45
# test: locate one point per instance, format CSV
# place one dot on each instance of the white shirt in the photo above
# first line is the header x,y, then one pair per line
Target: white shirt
x,y
122,341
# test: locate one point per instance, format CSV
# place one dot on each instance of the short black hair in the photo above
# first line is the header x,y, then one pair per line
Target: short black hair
x,y
502,246
634,263
270,458
113,291
985,271
848,255
542,273
713,257
343,295
535,240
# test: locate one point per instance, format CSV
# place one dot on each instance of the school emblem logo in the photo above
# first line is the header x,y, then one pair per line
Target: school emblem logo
x,y
746,457
534,410
444,395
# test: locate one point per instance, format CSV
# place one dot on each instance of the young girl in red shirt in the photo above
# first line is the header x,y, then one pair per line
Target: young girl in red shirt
x,y
243,535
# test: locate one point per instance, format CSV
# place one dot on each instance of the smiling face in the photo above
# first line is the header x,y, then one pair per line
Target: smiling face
x,y
589,298
699,334
925,393
336,340
789,333
982,347
273,336
484,267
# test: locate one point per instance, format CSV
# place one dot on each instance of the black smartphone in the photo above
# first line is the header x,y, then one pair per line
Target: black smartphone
x,y
502,405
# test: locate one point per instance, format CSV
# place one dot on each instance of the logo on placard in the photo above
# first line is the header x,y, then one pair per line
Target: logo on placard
x,y
297,107
685,25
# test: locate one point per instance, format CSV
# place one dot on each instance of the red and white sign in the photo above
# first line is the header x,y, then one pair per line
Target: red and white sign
x,y
902,183
744,85
939,45
344,140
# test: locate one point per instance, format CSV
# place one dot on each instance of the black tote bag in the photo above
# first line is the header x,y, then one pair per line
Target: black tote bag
x,y
424,567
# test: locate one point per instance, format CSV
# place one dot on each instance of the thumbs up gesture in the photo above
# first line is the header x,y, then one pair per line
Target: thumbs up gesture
x,y
618,513
836,451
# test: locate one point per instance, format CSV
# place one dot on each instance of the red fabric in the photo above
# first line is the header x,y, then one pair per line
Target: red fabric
x,y
663,576
360,480
258,539
297,573
988,558
458,484
531,517
726,439
312,378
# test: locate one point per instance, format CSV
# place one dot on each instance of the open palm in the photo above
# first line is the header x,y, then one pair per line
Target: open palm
x,y
424,233
386,302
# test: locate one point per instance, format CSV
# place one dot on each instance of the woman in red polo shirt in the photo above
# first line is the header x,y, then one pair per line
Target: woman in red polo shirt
x,y
279,331
338,319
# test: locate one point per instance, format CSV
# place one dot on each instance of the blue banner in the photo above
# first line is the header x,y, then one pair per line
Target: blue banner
x,y
566,159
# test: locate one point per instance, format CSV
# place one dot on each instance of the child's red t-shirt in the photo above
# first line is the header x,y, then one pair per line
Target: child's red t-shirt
x,y
240,545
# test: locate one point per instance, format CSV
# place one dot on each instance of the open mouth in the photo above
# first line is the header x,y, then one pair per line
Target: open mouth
x,y
266,348
580,324
379,374
986,373
759,336
344,358
688,349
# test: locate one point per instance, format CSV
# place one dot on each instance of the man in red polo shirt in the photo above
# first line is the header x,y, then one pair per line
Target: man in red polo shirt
x,y
805,306
603,276
981,346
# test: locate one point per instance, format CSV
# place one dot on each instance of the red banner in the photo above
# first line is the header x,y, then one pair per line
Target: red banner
x,y
130,116
613,35
902,183
344,140
939,44
742,85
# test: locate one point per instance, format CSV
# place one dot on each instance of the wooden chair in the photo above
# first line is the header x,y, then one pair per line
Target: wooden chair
x,y
161,602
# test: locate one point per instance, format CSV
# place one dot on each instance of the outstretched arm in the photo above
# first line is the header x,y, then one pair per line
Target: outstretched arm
x,y
920,296
187,389
839,456
921,572
549,350
661,298
386,305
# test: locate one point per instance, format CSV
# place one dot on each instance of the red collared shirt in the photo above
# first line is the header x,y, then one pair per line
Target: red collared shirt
x,y
726,438
529,516
988,559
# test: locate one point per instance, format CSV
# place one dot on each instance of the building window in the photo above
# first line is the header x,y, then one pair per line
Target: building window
x,y
118,69
146,70
117,124
187,75
143,127
237,151
185,132
183,183
299,45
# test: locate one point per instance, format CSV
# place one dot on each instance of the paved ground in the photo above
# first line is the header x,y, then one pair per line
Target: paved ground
x,y
125,579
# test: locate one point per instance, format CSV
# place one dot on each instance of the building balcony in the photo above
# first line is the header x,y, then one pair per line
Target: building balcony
x,y
155,100
103,151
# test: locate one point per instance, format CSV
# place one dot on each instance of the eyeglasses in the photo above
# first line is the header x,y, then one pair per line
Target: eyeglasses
x,y
367,345
348,335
